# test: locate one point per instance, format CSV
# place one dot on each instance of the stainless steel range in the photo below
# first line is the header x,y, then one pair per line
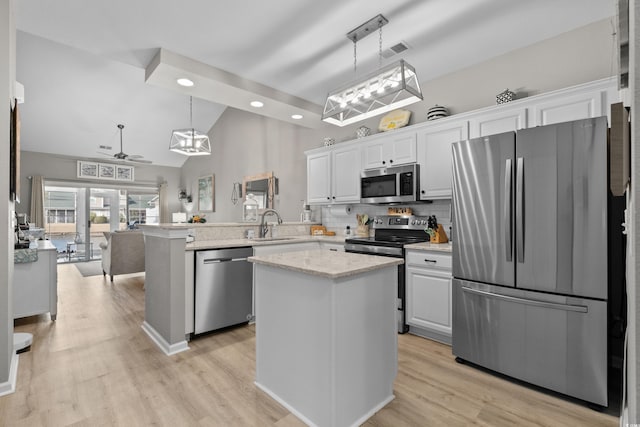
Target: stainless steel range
x,y
391,234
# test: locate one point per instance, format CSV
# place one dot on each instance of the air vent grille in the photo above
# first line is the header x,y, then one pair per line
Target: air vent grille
x,y
105,147
394,50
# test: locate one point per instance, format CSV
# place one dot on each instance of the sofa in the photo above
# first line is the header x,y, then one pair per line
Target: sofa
x,y
122,253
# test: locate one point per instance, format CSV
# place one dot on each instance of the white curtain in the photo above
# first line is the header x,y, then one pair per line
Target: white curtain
x,y
164,204
37,201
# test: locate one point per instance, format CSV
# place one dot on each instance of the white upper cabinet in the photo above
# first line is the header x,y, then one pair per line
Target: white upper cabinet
x,y
389,150
319,178
434,157
346,175
498,121
580,102
333,175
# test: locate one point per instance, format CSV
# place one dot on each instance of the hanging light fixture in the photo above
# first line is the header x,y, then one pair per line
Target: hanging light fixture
x,y
390,87
190,142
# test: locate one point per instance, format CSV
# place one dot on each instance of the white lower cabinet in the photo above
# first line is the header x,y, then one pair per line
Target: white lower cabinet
x,y
428,294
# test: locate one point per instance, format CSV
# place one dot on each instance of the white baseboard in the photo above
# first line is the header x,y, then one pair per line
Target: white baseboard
x,y
308,422
168,349
9,386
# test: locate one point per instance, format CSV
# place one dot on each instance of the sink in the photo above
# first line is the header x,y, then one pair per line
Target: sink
x,y
271,239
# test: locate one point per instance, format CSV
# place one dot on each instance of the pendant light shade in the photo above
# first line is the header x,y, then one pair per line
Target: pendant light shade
x,y
388,88
190,142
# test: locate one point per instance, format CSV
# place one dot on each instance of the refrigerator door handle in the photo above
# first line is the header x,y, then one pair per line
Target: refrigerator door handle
x,y
520,209
536,303
506,214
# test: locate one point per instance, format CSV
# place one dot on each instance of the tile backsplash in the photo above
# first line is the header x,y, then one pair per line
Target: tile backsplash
x,y
338,221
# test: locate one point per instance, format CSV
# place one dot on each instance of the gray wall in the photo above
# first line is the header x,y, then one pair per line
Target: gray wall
x,y
7,79
247,144
64,168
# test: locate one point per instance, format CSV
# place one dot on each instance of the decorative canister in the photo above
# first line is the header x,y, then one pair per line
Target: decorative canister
x,y
437,112
329,141
505,96
363,131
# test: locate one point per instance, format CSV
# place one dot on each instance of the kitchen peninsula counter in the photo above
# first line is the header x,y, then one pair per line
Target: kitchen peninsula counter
x,y
170,271
326,340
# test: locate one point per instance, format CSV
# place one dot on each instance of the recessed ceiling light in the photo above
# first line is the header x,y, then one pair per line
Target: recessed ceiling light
x,y
296,116
257,104
185,82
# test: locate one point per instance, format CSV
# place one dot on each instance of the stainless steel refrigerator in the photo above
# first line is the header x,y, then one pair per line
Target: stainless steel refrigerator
x,y
530,256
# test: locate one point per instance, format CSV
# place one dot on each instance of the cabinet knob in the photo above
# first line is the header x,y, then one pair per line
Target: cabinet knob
x,y
328,198
390,161
334,197
384,163
422,191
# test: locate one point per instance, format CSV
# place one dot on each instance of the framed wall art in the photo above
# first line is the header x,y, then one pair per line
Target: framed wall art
x,y
106,171
206,194
87,169
124,173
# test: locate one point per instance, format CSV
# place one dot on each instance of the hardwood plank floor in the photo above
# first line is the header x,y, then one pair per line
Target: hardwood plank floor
x,y
95,366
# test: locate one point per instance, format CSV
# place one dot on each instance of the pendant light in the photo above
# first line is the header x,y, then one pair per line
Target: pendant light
x,y
388,88
190,142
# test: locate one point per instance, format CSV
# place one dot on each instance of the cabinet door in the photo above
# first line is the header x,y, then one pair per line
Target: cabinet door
x,y
434,158
319,178
373,154
346,175
498,122
429,300
403,149
389,150
569,107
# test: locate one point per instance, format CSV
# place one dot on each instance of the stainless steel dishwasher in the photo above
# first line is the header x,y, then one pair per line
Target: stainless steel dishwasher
x,y
223,288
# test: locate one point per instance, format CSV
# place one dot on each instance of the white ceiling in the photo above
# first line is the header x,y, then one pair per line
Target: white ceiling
x,y
83,62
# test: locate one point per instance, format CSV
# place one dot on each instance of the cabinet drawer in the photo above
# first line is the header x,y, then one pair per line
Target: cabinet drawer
x,y
428,259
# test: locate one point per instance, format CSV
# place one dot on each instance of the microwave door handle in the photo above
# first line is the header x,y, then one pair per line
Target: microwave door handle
x,y
507,214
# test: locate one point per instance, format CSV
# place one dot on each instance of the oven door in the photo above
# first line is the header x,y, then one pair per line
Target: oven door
x,y
401,316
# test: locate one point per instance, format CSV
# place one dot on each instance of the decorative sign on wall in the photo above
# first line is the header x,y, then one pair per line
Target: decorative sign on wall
x,y
104,171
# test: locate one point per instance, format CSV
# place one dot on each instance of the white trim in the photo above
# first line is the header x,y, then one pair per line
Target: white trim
x,y
310,423
168,349
9,386
285,404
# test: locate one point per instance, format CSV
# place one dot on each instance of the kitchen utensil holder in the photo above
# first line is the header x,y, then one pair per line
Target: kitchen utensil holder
x,y
362,231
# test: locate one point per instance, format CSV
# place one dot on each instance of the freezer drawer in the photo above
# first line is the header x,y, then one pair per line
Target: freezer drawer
x,y
223,288
556,342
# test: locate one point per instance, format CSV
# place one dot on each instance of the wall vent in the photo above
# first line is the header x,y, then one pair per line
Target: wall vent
x,y
394,50
105,147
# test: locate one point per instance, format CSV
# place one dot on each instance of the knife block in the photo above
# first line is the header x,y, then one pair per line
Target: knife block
x,y
440,236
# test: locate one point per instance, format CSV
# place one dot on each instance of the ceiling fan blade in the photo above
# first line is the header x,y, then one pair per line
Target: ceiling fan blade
x,y
135,156
104,154
129,159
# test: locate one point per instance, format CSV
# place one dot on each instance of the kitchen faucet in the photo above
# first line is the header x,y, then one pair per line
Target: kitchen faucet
x,y
262,232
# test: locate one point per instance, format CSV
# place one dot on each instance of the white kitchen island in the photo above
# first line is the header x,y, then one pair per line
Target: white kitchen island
x,y
326,339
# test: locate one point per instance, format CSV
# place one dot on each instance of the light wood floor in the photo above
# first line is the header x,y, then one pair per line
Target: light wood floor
x,y
95,366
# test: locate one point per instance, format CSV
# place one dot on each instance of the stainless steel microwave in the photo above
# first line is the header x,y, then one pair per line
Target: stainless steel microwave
x,y
396,184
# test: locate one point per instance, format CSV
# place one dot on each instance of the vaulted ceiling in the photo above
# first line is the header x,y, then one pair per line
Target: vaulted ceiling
x,y
85,65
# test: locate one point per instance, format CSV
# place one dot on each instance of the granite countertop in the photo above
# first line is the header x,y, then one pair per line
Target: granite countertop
x,y
231,243
329,264
426,246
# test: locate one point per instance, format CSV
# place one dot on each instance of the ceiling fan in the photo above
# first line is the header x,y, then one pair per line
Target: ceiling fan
x,y
124,156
